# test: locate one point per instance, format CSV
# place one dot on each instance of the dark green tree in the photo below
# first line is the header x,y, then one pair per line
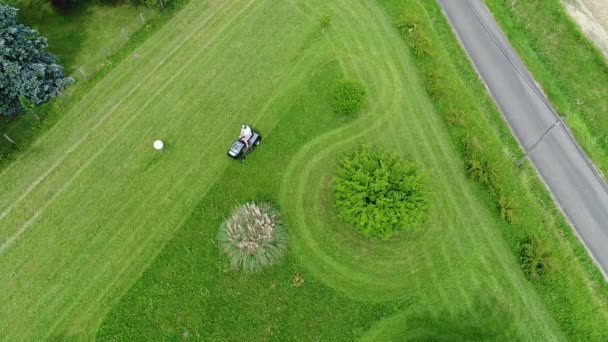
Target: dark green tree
x,y
27,71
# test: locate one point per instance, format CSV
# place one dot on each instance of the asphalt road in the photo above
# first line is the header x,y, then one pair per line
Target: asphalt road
x,y
567,171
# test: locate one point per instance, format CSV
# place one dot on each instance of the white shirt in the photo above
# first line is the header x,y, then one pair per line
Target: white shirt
x,y
246,133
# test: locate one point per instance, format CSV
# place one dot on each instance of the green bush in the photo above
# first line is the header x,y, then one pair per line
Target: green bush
x,y
348,97
412,29
379,193
253,238
536,259
507,205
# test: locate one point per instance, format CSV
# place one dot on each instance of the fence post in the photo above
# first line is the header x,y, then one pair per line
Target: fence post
x,y
124,33
81,69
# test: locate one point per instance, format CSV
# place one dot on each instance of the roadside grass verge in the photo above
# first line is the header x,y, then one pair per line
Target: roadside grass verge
x,y
571,70
577,295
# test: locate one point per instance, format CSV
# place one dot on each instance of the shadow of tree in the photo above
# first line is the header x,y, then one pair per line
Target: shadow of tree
x,y
65,31
487,320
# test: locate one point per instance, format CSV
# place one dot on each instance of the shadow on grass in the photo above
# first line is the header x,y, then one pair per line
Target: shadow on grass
x,y
64,30
66,337
76,36
488,319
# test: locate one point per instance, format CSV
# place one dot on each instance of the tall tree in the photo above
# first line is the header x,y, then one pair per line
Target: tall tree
x,y
26,69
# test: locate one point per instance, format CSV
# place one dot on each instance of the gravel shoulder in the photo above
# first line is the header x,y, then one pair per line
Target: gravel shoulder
x,y
592,16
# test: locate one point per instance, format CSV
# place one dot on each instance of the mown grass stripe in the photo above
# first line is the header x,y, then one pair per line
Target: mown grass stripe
x,y
100,93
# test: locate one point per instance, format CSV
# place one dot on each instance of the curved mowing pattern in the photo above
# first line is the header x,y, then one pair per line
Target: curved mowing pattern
x,y
437,265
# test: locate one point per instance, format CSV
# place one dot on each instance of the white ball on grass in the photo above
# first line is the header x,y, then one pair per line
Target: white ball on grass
x,y
158,145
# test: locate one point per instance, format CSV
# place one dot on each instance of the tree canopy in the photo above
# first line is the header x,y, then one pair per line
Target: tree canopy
x,y
27,71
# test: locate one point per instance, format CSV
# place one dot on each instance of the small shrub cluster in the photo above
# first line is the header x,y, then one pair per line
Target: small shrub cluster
x,y
348,97
409,25
379,193
536,258
253,238
297,280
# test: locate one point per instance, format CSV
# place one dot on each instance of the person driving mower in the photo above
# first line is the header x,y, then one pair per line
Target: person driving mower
x,y
245,135
244,143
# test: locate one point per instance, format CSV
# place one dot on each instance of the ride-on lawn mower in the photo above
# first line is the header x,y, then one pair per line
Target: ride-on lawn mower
x,y
239,149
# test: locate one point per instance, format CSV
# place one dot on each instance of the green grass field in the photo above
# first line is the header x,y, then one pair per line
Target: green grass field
x,y
100,236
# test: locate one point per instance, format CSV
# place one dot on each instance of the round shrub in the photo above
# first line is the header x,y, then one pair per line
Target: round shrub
x,y
253,238
348,97
380,194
